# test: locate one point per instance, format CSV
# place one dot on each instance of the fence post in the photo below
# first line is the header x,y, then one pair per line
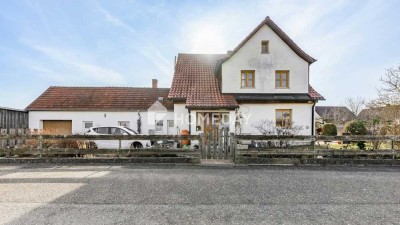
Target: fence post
x,y
119,144
203,148
232,145
220,147
208,145
393,151
40,145
313,138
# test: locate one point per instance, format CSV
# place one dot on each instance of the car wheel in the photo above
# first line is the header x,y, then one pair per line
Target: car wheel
x,y
136,145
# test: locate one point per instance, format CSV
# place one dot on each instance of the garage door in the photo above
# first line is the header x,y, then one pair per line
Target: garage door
x,y
57,126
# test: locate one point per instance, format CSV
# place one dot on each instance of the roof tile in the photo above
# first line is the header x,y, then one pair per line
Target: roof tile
x,y
99,98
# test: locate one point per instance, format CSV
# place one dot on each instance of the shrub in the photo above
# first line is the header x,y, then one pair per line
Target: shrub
x,y
329,130
357,128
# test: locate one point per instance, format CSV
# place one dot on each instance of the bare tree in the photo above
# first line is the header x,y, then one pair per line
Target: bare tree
x,y
335,115
389,92
355,105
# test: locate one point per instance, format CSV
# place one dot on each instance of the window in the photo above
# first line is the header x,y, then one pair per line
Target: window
x,y
117,131
87,124
102,130
283,118
264,47
123,124
247,78
170,123
282,79
159,125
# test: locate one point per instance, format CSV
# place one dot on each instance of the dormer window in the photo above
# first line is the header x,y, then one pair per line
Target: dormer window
x,y
264,47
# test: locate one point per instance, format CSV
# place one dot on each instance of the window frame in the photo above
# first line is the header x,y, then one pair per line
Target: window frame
x,y
265,43
247,72
128,122
156,126
85,122
290,111
280,72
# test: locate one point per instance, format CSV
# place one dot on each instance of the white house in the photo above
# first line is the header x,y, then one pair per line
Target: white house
x,y
266,77
71,110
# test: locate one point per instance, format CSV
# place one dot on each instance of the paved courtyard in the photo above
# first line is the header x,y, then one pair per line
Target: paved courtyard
x,y
141,194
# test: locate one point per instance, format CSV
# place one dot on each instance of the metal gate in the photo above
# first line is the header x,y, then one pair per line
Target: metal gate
x,y
217,144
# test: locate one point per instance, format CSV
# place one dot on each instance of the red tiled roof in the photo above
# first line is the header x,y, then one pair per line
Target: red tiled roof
x,y
99,99
281,34
194,81
314,94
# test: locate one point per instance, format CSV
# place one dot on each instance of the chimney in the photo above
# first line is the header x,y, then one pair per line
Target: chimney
x,y
154,83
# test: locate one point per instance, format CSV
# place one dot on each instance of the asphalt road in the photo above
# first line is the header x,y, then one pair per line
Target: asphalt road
x,y
139,194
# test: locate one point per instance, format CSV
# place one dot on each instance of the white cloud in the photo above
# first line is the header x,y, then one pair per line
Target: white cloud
x,y
72,62
145,47
114,20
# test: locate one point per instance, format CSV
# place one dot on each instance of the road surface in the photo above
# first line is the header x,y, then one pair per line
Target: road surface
x,y
163,194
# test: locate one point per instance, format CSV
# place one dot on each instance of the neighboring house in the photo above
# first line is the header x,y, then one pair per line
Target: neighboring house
x,y
13,118
266,77
72,110
10,121
338,115
386,114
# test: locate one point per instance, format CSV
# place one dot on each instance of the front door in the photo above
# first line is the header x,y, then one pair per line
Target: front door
x,y
210,122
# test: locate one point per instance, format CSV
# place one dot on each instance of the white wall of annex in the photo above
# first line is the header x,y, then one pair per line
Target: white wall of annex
x,y
98,118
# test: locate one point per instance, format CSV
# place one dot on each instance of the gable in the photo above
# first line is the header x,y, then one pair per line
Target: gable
x,y
282,35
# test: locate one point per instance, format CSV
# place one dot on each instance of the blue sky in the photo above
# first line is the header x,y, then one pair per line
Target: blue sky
x,y
127,43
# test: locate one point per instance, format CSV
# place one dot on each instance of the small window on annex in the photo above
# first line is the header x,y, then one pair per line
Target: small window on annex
x,y
124,124
283,118
265,47
87,124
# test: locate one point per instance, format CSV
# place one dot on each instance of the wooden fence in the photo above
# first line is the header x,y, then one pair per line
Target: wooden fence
x,y
37,145
218,144
254,146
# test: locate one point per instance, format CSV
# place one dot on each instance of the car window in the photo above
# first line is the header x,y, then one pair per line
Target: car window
x,y
102,130
131,130
116,131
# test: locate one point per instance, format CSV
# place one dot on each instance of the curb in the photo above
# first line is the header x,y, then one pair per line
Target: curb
x,y
134,160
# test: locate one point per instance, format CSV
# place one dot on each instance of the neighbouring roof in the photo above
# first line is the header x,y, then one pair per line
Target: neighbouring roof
x,y
12,109
388,113
195,82
281,34
99,99
329,112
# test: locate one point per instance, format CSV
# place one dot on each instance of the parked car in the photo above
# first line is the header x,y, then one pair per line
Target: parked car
x,y
114,144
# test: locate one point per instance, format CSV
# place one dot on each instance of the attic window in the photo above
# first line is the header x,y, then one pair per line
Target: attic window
x,y
265,47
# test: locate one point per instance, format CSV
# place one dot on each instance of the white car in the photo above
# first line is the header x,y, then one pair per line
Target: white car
x,y
114,144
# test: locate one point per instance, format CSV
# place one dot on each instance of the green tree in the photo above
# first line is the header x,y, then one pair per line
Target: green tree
x,y
357,128
329,130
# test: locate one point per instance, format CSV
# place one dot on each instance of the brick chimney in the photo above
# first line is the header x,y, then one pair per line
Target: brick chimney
x,y
154,83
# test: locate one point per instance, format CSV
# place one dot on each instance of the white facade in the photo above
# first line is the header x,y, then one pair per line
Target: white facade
x,y
279,57
253,113
102,119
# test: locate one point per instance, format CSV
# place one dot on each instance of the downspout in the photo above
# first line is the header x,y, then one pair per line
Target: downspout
x,y
312,119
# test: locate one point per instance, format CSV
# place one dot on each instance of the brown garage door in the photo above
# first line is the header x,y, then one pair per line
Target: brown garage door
x,y
57,126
